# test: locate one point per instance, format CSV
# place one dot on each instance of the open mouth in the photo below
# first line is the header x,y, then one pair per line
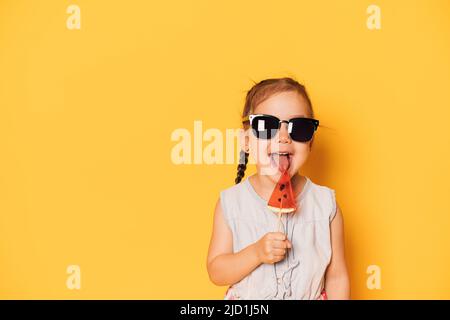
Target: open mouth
x,y
280,160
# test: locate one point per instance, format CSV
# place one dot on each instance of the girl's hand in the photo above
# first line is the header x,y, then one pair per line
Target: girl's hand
x,y
272,247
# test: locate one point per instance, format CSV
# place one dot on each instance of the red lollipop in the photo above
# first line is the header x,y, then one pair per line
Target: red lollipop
x,y
282,199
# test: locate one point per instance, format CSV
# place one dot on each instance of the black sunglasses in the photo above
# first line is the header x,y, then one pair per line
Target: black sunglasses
x,y
266,126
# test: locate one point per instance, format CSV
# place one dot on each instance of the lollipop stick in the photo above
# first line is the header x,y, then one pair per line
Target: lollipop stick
x,y
279,216
279,221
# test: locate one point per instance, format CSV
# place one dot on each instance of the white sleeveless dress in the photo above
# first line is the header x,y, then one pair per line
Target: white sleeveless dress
x,y
301,274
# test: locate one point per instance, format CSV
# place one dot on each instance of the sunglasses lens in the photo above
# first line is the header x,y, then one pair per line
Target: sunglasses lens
x,y
264,127
302,129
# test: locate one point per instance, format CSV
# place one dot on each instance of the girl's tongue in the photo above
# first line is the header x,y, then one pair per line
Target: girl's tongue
x,y
281,161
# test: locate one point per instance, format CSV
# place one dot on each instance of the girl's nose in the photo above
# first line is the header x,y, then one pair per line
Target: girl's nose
x,y
283,134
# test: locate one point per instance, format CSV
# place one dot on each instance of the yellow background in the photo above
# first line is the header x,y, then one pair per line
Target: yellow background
x,y
86,118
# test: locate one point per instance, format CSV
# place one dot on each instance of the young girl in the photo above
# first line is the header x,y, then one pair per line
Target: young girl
x,y
306,259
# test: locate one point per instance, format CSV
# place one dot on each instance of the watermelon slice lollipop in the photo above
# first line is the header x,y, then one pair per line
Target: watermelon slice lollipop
x,y
282,198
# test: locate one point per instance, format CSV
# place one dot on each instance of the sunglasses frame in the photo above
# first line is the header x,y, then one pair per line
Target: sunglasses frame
x,y
251,117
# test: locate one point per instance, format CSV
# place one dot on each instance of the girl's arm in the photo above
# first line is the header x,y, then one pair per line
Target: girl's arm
x,y
225,267
337,285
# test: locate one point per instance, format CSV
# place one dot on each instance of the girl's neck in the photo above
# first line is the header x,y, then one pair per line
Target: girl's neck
x,y
264,186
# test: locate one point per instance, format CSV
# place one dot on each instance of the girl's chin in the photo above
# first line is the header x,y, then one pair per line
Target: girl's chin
x,y
277,175
274,174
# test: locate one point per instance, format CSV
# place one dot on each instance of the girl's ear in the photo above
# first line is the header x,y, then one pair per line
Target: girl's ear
x,y
311,143
244,140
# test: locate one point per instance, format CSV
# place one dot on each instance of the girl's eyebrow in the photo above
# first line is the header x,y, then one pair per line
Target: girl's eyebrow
x,y
299,116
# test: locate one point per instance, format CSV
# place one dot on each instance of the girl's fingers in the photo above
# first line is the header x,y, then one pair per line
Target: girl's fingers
x,y
278,259
279,252
278,244
278,236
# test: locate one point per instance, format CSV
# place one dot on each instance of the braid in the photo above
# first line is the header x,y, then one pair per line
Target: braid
x,y
243,159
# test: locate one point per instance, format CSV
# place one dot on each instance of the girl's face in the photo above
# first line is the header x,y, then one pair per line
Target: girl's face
x,y
285,106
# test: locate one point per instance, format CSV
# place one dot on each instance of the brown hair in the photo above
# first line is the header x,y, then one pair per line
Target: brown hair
x,y
256,95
